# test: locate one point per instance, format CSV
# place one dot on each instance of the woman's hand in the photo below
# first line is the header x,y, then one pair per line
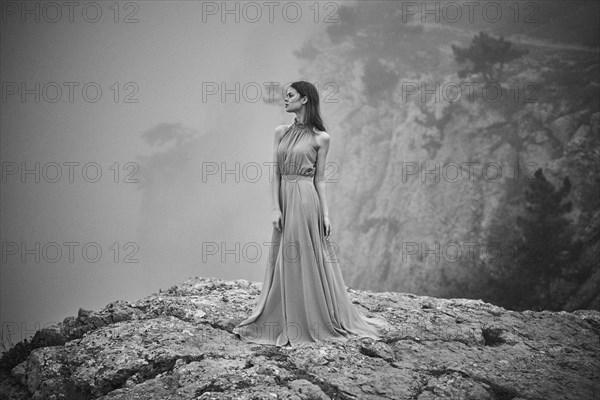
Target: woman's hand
x,y
277,221
327,226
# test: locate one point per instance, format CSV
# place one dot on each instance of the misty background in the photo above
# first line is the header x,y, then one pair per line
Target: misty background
x,y
161,134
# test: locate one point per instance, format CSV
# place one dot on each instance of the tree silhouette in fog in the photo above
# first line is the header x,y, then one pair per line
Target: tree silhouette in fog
x,y
546,238
486,56
543,252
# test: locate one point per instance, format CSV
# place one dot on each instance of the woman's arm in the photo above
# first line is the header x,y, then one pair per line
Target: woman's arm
x,y
276,177
320,180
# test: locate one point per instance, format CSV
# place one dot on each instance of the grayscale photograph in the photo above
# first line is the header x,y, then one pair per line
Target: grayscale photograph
x,y
300,200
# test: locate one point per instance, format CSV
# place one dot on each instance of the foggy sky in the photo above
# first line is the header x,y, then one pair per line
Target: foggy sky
x,y
161,61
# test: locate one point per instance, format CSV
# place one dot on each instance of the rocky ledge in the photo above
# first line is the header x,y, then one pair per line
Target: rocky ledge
x,y
178,344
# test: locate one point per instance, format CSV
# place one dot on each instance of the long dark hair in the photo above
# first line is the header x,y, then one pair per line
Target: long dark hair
x,y
313,114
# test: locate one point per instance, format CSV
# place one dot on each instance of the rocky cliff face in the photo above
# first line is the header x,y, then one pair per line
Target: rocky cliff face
x,y
178,344
426,190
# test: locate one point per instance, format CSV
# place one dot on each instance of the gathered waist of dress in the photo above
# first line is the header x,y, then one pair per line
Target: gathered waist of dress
x,y
295,177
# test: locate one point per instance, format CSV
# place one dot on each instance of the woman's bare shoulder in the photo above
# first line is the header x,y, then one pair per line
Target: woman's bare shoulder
x,y
322,137
280,130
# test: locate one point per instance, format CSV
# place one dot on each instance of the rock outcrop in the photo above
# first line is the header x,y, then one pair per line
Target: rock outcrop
x,y
177,344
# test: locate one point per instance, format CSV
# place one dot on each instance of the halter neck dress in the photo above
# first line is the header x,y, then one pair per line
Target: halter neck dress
x,y
303,297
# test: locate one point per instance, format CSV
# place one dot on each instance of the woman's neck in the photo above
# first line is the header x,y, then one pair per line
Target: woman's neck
x,y
300,118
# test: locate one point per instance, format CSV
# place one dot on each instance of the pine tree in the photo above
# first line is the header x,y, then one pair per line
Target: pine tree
x,y
487,56
545,238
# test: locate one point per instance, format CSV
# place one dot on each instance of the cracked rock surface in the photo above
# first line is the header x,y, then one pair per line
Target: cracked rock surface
x,y
178,344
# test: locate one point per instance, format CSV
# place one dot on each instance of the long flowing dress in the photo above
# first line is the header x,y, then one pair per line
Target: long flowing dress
x,y
303,297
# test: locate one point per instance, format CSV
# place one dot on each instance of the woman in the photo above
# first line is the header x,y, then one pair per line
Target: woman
x,y
303,297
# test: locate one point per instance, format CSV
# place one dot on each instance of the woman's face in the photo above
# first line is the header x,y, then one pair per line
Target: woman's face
x,y
292,101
